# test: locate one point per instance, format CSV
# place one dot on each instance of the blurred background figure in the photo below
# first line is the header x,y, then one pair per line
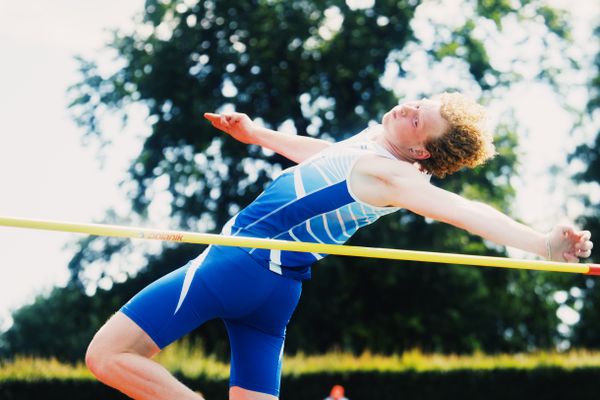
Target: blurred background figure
x,y
337,393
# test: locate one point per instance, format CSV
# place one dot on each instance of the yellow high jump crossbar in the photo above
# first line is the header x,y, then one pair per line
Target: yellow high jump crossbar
x,y
342,250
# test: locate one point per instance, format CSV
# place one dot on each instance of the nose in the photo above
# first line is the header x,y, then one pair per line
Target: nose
x,y
411,108
407,110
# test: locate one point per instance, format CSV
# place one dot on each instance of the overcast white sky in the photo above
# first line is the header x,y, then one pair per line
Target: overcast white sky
x,y
46,172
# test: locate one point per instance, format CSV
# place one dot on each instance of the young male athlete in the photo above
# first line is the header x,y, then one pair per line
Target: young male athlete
x,y
335,189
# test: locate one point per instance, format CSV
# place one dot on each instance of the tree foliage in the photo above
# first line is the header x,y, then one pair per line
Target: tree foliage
x,y
288,62
586,297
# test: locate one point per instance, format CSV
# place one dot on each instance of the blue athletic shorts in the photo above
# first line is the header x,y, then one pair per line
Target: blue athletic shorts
x,y
224,282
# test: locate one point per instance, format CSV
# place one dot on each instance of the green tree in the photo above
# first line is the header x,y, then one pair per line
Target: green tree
x,y
287,61
586,300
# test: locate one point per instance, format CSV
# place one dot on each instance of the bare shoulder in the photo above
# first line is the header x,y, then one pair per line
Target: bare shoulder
x,y
385,169
372,175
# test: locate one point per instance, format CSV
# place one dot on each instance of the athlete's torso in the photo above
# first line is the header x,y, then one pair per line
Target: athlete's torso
x,y
310,202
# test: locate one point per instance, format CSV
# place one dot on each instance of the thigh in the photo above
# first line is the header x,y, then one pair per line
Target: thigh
x,y
257,340
255,358
175,304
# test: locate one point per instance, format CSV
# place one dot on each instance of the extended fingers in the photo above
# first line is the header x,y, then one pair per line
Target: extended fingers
x,y
222,121
584,248
212,117
224,118
584,254
584,245
578,243
584,240
231,118
217,120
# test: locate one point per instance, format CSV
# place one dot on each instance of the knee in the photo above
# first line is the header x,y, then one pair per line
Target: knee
x,y
97,359
117,337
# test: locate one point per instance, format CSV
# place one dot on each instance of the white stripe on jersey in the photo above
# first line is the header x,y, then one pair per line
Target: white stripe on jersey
x,y
298,185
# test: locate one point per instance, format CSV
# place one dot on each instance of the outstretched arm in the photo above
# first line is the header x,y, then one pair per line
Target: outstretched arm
x,y
241,127
563,243
401,188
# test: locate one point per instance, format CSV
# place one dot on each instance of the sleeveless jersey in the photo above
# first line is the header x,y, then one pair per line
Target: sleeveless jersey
x,y
310,202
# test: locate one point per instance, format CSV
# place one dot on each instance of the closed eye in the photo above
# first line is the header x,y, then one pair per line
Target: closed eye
x,y
418,117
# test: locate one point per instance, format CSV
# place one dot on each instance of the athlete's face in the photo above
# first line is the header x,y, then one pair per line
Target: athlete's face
x,y
412,124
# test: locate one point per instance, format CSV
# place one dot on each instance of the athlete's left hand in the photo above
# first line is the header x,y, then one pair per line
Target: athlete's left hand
x,y
237,125
568,244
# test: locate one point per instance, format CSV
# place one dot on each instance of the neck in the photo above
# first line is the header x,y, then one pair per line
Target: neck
x,y
397,151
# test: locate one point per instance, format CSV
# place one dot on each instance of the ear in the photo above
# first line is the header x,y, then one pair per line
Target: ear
x,y
420,153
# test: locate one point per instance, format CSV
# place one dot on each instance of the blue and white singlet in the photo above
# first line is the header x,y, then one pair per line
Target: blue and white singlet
x,y
310,202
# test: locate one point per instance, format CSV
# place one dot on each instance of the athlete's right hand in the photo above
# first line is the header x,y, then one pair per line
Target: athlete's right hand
x,y
237,125
567,244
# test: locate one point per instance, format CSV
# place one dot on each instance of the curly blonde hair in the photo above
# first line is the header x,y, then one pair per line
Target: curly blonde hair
x,y
466,143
